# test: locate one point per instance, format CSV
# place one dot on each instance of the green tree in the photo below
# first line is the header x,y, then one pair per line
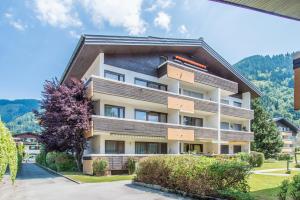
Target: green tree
x,y
266,136
8,153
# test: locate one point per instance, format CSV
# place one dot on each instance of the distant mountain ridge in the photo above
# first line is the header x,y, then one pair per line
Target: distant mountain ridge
x,y
18,116
274,76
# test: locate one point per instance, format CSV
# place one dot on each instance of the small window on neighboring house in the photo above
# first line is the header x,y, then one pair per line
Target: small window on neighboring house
x,y
224,101
237,104
225,125
114,111
224,149
114,75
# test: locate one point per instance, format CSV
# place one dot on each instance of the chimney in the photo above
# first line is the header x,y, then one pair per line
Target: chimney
x,y
296,64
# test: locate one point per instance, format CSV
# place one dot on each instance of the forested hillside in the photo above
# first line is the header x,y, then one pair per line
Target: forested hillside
x,y
18,116
273,75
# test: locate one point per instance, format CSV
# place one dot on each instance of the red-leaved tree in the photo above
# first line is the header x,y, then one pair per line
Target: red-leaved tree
x,y
65,117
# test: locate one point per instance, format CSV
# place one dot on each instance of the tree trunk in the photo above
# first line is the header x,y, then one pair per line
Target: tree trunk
x,y
78,157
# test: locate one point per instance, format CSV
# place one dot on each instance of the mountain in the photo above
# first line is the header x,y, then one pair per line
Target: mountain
x,y
273,75
18,116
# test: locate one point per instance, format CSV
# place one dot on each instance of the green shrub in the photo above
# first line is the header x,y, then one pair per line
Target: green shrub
x,y
65,162
284,156
295,187
283,190
192,174
41,158
235,195
255,159
131,165
50,160
20,150
100,166
297,165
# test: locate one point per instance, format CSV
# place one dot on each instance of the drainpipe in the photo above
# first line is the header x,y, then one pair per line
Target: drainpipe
x,y
296,63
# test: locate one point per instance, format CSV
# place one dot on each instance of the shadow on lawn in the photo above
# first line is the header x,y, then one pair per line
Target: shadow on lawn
x,y
266,194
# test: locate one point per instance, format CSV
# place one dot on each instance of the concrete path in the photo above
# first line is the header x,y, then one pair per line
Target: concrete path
x,y
269,171
35,183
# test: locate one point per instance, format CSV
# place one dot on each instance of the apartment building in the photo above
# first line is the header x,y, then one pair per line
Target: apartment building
x,y
160,96
30,142
288,133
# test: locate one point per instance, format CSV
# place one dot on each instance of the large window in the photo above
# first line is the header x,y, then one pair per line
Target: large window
x,y
224,101
224,149
151,116
114,111
225,125
237,127
193,148
192,93
237,104
150,84
150,148
237,148
114,75
192,121
114,147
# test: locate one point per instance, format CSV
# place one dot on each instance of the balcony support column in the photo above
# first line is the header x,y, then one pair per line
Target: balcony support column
x,y
217,97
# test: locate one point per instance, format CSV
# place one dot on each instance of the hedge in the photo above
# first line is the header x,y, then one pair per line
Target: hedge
x,y
195,175
255,159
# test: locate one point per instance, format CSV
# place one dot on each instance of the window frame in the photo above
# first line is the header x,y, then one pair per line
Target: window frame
x,y
151,82
117,146
183,91
227,150
115,73
119,107
193,118
237,104
147,115
162,147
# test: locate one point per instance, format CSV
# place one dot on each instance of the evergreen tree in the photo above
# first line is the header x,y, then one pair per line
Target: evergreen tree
x,y
267,138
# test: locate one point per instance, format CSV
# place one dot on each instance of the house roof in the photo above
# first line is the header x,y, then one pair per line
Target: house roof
x,y
26,135
284,8
89,47
287,123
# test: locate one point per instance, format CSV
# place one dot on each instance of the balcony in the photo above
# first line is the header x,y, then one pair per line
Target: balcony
x,y
189,75
151,129
236,112
172,100
233,135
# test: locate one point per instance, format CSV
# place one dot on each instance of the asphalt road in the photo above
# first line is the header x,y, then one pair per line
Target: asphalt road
x,y
35,183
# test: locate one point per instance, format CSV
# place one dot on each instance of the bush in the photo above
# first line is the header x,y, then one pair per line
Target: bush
x,y
283,190
50,160
65,162
196,175
297,165
20,151
100,166
255,159
131,165
41,158
295,187
235,195
284,156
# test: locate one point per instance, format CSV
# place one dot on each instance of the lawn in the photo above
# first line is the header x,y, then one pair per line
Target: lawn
x,y
274,165
96,179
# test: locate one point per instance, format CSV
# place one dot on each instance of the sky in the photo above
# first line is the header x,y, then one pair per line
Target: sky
x,y
39,36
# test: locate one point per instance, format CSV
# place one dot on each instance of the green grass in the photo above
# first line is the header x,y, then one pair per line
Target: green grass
x,y
77,176
274,165
293,172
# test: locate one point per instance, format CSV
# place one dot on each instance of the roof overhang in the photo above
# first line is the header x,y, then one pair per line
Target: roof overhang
x,y
283,8
287,123
89,47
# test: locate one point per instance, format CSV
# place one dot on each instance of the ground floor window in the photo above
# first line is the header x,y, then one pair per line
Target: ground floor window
x,y
114,147
150,148
193,148
237,148
224,149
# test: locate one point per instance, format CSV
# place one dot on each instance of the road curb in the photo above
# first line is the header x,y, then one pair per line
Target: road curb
x,y
57,173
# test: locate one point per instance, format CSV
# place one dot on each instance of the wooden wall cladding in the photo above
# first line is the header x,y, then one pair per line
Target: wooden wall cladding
x,y
87,167
180,74
181,104
181,134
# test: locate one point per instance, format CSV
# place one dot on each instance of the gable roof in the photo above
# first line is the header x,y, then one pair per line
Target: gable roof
x,y
287,123
89,47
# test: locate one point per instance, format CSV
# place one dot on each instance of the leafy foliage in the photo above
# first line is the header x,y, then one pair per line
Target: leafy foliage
x,y
25,123
255,159
131,165
283,190
192,174
273,75
267,138
65,117
295,187
100,166
8,153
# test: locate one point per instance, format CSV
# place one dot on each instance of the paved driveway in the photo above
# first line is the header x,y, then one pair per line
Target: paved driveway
x,y
34,183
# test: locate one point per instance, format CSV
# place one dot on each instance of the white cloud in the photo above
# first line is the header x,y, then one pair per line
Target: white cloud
x,y
160,4
117,13
57,13
74,34
163,20
16,23
182,29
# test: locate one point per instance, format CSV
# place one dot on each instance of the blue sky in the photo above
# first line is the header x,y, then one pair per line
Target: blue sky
x,y
38,36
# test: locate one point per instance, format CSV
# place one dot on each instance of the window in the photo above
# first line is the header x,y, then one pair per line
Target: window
x,y
237,104
114,147
224,101
33,147
114,111
225,125
237,148
114,76
150,148
150,84
237,127
193,148
192,94
151,116
192,121
224,149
